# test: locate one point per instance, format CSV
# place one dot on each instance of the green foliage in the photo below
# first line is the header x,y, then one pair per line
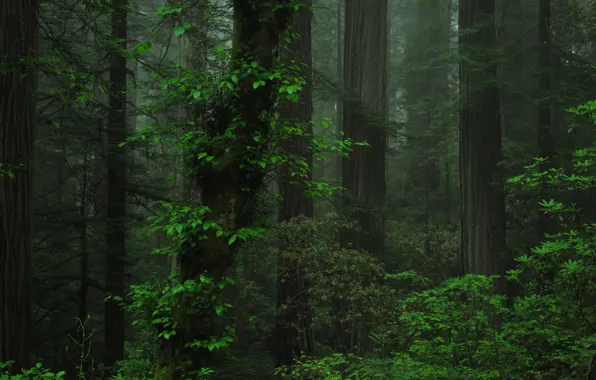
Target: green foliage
x,y
5,172
433,250
461,329
161,307
334,367
332,270
36,372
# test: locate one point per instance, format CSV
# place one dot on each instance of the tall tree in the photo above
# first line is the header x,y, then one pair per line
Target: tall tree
x,y
482,196
18,32
545,142
116,186
229,186
364,119
293,324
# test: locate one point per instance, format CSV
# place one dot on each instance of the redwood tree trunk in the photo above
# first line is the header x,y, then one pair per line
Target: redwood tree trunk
x,y
294,319
18,32
365,113
482,196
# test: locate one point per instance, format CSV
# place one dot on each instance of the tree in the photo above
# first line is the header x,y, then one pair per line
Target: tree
x,y
482,196
116,187
545,142
18,35
234,136
293,323
364,120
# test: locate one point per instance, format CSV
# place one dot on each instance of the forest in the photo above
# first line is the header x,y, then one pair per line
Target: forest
x,y
299,189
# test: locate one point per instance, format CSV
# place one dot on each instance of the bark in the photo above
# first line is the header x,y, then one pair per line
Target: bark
x,y
294,319
229,187
18,36
116,188
365,80
364,119
482,196
545,142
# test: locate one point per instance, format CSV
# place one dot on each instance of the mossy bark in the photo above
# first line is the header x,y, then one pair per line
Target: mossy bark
x,y
229,187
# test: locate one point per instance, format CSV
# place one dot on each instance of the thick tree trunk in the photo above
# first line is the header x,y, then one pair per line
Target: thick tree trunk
x,y
116,189
482,196
365,81
294,319
365,113
18,35
229,187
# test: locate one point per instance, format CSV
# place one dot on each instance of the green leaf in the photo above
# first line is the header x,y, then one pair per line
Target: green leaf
x,y
143,48
232,239
219,309
178,31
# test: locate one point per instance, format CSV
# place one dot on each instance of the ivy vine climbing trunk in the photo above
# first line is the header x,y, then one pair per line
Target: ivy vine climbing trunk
x,y
482,196
116,187
293,318
18,36
364,119
229,184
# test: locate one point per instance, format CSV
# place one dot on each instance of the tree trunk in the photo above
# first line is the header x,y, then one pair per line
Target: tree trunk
x,y
228,188
116,188
482,196
294,319
18,36
365,113
545,142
